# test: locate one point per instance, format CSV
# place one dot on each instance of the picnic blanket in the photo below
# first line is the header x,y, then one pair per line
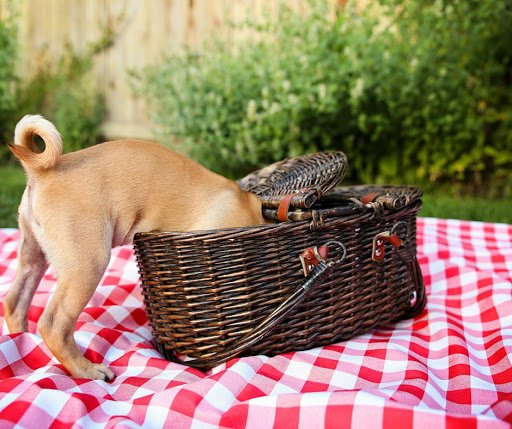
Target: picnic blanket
x,y
449,367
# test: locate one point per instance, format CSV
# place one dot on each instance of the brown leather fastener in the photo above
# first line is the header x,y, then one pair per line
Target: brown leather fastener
x,y
378,244
312,256
368,198
284,205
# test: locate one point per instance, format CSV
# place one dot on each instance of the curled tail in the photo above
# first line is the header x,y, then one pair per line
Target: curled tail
x,y
25,148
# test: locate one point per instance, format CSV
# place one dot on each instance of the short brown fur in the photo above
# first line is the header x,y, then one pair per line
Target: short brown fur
x,y
77,206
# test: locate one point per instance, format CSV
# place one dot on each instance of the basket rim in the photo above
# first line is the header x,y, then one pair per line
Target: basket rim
x,y
368,212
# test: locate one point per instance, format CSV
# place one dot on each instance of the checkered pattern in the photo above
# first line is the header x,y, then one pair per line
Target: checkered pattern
x,y
449,367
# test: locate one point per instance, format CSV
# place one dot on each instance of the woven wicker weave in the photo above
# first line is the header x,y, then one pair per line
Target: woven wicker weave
x,y
212,295
308,177
323,171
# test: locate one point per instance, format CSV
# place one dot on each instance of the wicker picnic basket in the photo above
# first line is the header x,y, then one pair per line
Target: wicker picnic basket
x,y
337,263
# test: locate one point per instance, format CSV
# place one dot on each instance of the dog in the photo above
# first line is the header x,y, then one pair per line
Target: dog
x,y
77,206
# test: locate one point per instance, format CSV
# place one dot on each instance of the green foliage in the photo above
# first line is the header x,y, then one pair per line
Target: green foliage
x,y
63,90
443,72
416,91
66,93
8,47
11,190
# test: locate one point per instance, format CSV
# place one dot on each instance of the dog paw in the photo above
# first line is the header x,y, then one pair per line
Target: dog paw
x,y
101,372
94,372
87,370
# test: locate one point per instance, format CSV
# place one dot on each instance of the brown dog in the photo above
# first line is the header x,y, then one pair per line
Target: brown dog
x,y
77,206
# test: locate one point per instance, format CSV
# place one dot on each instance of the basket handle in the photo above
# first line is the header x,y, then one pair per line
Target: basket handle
x,y
407,254
322,270
317,273
419,301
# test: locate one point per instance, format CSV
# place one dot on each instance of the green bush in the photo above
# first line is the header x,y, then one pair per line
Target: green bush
x,y
63,90
443,73
416,91
8,48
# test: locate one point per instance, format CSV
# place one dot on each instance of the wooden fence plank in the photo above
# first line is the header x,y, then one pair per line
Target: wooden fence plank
x,y
149,29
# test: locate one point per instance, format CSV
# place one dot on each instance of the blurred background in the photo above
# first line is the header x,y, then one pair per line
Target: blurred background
x,y
414,92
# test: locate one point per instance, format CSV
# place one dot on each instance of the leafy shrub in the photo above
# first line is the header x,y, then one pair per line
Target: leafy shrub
x,y
63,90
443,73
237,107
8,47
415,91
66,93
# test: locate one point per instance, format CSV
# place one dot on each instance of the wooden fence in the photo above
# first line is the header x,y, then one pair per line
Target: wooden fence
x,y
146,31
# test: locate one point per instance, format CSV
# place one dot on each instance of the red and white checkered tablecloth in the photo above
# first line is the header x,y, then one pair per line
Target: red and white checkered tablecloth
x,y
449,367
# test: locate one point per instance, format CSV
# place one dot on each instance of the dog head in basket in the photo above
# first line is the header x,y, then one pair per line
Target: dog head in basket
x,y
77,206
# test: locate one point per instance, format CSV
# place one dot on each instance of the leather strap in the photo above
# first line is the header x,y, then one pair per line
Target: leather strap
x,y
284,206
312,256
368,198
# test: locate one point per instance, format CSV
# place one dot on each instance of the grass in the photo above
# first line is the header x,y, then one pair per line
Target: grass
x,y
12,184
469,208
435,204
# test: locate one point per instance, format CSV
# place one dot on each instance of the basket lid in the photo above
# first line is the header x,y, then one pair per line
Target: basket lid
x,y
305,177
370,200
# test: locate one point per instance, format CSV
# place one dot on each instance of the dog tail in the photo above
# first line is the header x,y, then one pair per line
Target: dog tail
x,y
26,149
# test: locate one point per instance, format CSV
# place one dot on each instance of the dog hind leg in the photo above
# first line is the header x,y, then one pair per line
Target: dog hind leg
x,y
32,265
79,270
